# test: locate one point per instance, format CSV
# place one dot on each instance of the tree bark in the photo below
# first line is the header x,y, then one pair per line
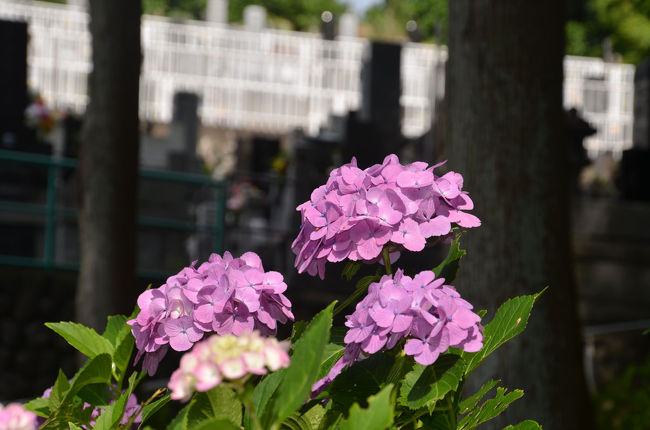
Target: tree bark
x,y
109,163
506,135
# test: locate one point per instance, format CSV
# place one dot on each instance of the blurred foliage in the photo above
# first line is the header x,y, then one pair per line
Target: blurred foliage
x,y
299,15
187,9
626,23
303,15
388,20
625,403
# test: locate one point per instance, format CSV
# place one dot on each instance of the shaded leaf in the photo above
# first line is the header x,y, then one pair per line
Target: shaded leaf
x,y
39,406
489,409
114,324
378,415
114,412
438,420
330,356
73,426
510,320
179,419
337,334
426,384
365,282
357,383
82,338
60,387
97,370
301,374
95,394
297,330
149,410
262,393
220,402
449,266
123,351
469,403
351,268
314,415
524,425
214,424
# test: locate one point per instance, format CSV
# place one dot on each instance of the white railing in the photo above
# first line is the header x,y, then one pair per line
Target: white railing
x,y
603,93
273,81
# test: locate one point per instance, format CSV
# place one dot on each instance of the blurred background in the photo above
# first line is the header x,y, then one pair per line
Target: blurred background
x,y
136,138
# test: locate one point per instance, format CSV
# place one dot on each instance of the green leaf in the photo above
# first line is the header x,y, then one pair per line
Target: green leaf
x,y
220,402
470,403
378,415
489,409
114,325
82,338
113,413
39,406
524,425
426,384
510,320
73,426
361,380
297,330
449,266
214,424
314,416
337,335
60,387
365,282
95,394
303,371
296,422
262,393
179,419
123,351
97,370
331,355
149,410
438,420
351,268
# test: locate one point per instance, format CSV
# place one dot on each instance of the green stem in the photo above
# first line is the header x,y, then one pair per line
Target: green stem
x,y
351,299
453,419
386,255
245,394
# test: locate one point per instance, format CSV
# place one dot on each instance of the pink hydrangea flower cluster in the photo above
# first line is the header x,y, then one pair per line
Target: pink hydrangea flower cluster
x,y
431,315
226,357
225,295
15,417
357,212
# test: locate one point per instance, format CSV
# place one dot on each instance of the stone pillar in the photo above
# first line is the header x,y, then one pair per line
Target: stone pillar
x,y
254,18
348,25
217,11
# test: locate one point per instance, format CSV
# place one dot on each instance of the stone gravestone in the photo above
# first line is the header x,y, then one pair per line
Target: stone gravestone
x,y
13,82
634,180
375,130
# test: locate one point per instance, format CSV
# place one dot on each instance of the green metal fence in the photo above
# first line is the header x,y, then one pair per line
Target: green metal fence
x,y
51,211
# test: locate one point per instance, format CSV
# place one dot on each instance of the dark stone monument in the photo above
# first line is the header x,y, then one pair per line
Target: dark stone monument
x,y
186,114
13,82
375,130
634,180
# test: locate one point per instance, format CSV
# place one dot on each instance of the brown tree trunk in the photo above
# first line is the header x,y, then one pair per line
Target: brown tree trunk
x,y
506,135
109,163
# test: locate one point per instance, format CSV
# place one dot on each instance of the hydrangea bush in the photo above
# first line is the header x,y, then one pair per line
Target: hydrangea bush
x,y
401,360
